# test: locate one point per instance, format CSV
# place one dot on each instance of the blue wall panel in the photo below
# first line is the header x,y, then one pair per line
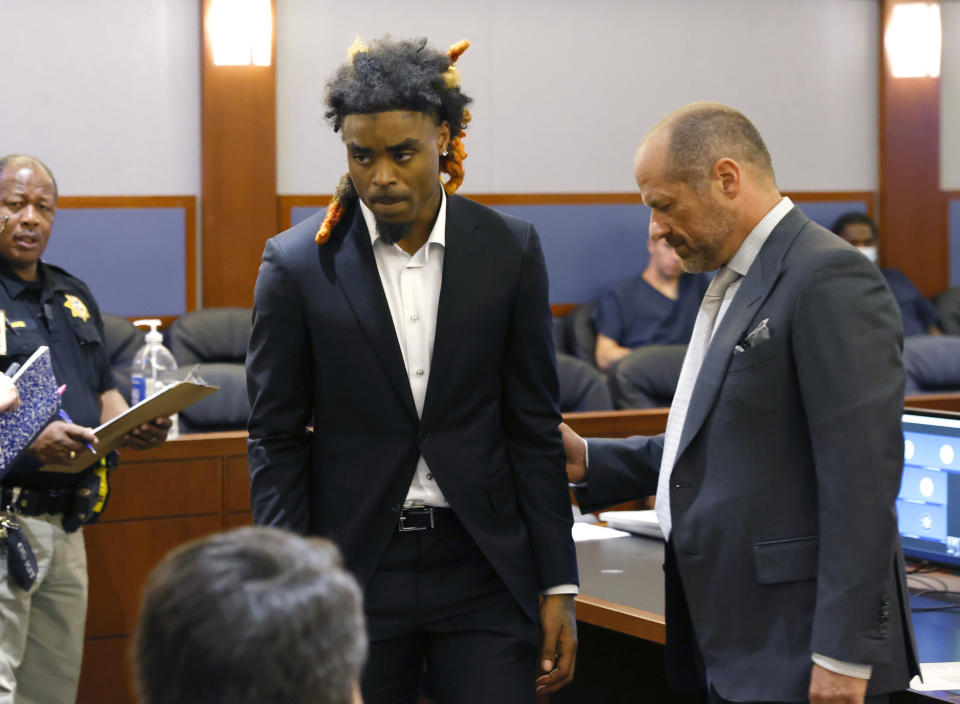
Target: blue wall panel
x,y
954,242
826,212
133,259
589,247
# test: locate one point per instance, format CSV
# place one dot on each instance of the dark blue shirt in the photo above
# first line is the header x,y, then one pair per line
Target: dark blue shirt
x,y
917,312
56,310
634,313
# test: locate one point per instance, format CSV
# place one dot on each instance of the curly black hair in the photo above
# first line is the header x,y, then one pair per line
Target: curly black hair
x,y
397,75
402,75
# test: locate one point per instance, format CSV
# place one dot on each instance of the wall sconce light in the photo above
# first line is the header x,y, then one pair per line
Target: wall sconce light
x,y
913,40
241,32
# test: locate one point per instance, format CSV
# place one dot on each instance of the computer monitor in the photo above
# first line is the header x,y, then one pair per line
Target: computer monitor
x,y
928,506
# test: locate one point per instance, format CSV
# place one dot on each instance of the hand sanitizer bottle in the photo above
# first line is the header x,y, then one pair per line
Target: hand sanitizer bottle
x,y
153,368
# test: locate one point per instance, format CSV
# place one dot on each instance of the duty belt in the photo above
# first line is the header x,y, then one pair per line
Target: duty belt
x,y
33,502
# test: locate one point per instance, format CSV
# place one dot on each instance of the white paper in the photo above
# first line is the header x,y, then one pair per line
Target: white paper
x,y
639,522
583,532
937,675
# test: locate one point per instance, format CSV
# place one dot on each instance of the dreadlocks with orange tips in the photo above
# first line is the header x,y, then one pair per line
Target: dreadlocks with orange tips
x,y
398,75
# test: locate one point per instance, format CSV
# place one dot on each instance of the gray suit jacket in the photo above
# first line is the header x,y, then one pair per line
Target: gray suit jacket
x,y
782,495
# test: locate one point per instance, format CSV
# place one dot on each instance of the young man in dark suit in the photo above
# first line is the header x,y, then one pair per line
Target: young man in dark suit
x,y
404,399
777,475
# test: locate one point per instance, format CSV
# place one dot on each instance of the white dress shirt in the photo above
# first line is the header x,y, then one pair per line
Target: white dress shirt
x,y
412,284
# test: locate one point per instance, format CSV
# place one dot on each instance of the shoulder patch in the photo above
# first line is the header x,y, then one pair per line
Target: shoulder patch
x,y
77,307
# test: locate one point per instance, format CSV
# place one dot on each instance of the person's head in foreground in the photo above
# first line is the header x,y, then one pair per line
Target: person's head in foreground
x,y
250,615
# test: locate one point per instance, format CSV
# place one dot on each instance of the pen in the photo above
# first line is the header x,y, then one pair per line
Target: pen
x,y
64,417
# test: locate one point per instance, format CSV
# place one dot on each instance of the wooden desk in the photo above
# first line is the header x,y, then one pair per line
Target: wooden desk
x,y
652,421
620,612
161,498
199,484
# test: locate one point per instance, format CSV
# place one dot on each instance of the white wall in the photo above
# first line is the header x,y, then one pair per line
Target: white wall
x,y
565,89
106,92
950,97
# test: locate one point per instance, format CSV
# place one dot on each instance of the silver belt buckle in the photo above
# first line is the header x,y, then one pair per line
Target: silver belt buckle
x,y
404,528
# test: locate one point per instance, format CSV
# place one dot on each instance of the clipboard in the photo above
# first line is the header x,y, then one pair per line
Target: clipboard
x,y
169,400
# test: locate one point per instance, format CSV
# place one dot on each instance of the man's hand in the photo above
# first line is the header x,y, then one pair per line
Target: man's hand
x,y
576,451
828,687
60,442
148,435
8,394
558,653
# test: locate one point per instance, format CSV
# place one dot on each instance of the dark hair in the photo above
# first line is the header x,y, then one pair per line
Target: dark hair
x,y
854,218
702,133
11,159
398,75
252,615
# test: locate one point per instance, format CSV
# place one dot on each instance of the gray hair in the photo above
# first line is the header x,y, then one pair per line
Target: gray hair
x,y
251,615
702,133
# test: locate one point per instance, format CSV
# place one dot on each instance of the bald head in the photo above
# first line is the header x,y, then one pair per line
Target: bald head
x,y
11,161
699,134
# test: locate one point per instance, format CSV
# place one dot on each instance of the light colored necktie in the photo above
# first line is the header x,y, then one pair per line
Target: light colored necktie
x,y
696,351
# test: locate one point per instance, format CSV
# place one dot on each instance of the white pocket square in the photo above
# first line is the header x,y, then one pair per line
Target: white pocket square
x,y
754,338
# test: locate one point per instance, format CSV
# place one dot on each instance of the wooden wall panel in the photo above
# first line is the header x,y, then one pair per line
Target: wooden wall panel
x,y
912,214
107,685
239,175
238,484
120,556
158,489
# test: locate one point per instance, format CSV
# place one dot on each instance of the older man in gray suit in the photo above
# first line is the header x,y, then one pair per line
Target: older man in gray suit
x,y
778,472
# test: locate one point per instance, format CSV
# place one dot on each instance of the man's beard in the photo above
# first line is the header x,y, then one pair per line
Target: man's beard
x,y
712,241
393,232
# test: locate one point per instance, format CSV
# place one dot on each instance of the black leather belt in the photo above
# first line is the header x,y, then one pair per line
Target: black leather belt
x,y
33,502
422,518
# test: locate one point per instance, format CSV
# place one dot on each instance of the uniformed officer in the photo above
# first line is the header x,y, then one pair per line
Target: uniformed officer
x,y
41,641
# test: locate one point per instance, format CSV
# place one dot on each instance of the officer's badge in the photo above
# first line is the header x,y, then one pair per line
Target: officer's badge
x,y
77,307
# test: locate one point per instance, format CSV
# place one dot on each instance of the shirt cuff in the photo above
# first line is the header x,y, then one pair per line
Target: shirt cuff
x,y
850,669
561,589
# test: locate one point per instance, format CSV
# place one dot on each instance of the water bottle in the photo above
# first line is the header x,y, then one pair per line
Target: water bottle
x,y
153,368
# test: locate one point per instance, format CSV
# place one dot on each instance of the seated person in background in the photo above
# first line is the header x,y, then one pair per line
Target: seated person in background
x,y
582,386
658,307
253,615
918,314
643,325
8,393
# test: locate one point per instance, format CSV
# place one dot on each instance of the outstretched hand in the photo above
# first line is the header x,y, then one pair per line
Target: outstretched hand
x,y
576,450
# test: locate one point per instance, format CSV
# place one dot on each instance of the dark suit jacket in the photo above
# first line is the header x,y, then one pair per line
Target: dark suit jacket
x,y
782,495
324,352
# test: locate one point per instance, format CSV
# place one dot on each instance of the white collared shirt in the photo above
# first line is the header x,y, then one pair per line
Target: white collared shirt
x,y
744,257
412,284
